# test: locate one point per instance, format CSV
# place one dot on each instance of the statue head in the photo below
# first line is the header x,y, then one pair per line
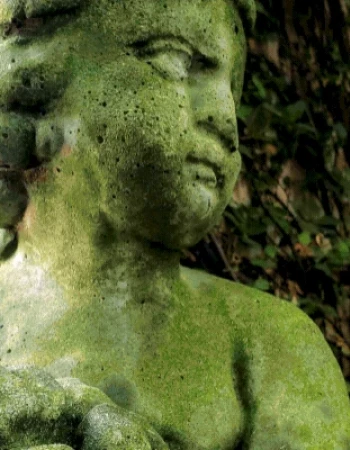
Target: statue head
x,y
120,114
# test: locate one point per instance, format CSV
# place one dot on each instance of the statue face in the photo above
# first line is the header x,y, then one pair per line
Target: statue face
x,y
133,103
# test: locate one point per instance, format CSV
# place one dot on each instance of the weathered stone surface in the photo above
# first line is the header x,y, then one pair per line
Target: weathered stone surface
x,y
17,141
131,108
33,410
10,9
109,427
13,199
8,240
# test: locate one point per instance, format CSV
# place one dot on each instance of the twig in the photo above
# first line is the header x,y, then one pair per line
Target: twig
x,y
223,256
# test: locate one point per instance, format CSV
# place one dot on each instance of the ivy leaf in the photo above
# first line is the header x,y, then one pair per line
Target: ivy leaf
x,y
261,284
271,251
305,238
295,111
244,113
341,131
263,263
259,86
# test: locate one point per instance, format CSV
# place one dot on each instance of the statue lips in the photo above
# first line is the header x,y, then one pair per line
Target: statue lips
x,y
207,170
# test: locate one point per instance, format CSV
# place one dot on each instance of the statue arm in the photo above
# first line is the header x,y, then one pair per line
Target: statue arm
x,y
296,397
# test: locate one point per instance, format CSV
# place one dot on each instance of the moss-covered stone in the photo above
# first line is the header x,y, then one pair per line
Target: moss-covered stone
x,y
136,157
13,198
17,141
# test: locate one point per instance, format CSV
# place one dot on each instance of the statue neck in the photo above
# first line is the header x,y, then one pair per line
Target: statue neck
x,y
100,260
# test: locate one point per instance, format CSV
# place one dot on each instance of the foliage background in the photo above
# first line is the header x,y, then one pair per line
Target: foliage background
x,y
287,229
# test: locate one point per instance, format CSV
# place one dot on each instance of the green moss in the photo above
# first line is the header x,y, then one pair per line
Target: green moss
x,y
138,145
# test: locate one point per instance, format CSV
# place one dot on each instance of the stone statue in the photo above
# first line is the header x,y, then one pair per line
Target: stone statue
x,y
118,148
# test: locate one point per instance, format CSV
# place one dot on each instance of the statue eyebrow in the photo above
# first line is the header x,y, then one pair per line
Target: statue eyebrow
x,y
157,42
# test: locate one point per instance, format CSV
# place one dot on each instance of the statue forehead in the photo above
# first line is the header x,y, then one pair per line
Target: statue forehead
x,y
245,8
210,25
32,8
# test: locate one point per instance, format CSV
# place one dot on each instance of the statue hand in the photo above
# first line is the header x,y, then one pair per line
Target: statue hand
x,y
37,411
108,427
34,410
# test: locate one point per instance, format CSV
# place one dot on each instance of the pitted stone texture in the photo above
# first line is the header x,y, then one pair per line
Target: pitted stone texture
x,y
10,9
33,410
133,108
13,198
17,141
108,428
43,412
49,447
7,239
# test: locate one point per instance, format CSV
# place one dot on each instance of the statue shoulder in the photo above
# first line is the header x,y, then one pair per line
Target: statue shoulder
x,y
242,302
288,379
260,316
296,391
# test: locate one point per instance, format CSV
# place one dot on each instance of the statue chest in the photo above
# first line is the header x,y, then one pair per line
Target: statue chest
x,y
174,367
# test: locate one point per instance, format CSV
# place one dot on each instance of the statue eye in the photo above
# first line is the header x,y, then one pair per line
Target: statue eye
x,y
201,63
174,59
173,64
177,64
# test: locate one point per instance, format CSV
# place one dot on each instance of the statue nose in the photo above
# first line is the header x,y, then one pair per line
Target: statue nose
x,y
215,111
224,128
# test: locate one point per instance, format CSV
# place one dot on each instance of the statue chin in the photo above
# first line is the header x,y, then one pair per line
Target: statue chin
x,y
182,220
203,215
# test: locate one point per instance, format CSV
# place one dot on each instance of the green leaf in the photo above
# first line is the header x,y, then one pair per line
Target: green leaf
x,y
328,221
263,263
343,248
341,131
246,151
253,244
244,112
261,284
324,268
312,306
304,238
259,86
255,227
272,109
295,111
304,128
279,215
262,10
271,251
